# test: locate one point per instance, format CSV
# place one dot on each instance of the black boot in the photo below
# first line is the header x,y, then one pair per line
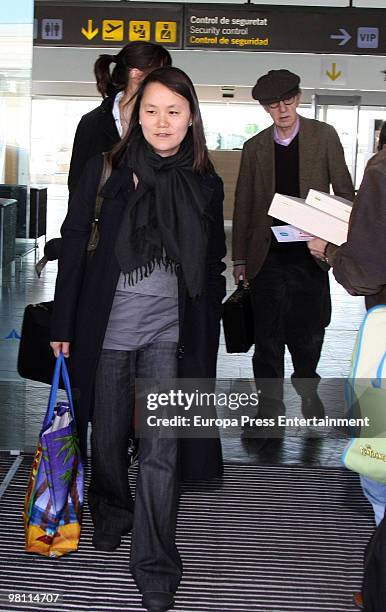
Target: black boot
x,y
157,601
265,424
108,542
307,389
312,406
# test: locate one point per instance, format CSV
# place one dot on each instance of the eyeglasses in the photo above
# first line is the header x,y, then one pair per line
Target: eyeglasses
x,y
287,102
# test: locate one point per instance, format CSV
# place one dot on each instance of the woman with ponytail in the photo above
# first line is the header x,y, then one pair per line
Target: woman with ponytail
x,y
117,79
147,304
100,129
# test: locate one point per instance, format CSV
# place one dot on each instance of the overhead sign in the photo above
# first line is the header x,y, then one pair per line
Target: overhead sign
x,y
297,29
239,27
52,29
334,72
107,24
113,29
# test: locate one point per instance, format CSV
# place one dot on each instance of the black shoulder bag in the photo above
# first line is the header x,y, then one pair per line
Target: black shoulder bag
x,y
36,360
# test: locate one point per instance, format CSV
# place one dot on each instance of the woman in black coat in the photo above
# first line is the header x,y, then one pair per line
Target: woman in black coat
x,y
155,284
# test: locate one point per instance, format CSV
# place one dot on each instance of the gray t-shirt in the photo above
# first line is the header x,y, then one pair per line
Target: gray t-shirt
x,y
143,313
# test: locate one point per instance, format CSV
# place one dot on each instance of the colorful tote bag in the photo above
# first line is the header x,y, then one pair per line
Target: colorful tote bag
x,y
54,499
366,397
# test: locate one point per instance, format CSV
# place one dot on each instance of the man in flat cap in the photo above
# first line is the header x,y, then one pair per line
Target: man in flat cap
x,y
289,290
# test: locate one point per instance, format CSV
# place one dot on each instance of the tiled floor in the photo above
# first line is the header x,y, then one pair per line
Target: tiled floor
x,y
23,403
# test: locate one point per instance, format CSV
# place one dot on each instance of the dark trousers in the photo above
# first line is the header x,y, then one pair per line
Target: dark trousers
x,y
154,560
288,302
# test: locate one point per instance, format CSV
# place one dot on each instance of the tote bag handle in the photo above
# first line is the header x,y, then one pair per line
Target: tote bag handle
x,y
60,369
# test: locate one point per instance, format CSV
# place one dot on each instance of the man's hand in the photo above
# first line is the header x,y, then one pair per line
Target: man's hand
x,y
317,248
60,347
239,274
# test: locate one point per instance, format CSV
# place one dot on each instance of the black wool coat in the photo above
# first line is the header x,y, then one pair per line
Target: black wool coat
x,y
95,134
85,289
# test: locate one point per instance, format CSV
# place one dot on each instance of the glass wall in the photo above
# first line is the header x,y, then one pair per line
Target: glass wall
x,y
370,121
228,126
365,141
53,128
54,121
15,86
15,102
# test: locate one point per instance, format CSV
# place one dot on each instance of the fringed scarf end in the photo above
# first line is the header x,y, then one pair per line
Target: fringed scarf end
x,y
134,276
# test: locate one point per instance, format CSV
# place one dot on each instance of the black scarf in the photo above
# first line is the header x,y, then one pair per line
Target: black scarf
x,y
168,217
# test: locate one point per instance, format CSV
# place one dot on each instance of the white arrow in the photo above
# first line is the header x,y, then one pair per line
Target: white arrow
x,y
344,37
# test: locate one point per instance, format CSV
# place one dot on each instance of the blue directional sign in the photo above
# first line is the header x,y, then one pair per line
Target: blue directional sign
x,y
342,38
368,38
13,335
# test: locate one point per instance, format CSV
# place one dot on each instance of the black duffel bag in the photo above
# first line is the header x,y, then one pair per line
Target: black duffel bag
x,y
36,360
238,321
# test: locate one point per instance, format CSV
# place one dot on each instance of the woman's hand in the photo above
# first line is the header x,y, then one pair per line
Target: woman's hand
x,y
60,347
317,248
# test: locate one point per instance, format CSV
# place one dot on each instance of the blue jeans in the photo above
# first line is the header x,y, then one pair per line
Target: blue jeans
x,y
376,494
154,559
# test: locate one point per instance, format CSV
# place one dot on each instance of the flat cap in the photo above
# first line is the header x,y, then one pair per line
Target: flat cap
x,y
275,86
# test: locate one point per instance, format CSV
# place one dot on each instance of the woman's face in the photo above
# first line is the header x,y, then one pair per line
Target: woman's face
x,y
164,117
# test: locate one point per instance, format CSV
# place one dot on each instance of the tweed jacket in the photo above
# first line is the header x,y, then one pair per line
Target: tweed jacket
x,y
321,164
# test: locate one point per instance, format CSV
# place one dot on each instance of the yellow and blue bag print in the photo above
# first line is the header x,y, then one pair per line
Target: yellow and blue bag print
x,y
54,499
366,397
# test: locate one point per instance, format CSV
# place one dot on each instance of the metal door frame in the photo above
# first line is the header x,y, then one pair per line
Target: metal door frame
x,y
326,100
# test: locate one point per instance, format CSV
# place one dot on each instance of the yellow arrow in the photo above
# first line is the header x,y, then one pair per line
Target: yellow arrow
x,y
334,74
89,33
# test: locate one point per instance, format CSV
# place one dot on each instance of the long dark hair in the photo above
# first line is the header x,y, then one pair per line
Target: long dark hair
x,y
177,81
142,55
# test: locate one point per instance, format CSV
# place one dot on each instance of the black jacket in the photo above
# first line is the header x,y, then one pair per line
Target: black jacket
x,y
85,291
95,134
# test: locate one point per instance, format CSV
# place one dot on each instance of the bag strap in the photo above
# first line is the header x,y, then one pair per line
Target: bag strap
x,y
60,369
106,173
94,234
377,382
